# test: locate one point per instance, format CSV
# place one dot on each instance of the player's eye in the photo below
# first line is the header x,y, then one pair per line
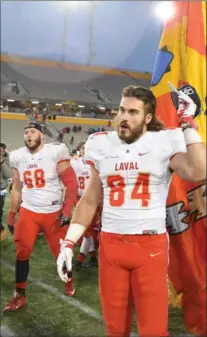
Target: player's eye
x,y
134,112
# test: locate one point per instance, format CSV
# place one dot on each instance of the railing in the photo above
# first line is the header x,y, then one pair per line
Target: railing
x,y
65,114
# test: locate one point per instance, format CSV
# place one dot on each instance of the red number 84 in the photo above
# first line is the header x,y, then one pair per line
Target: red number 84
x,y
140,190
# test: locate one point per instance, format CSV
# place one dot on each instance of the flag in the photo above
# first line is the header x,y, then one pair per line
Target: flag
x,y
181,59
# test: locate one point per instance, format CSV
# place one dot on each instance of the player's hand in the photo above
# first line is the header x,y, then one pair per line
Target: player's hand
x,y
11,229
10,187
186,110
11,221
64,260
64,220
185,106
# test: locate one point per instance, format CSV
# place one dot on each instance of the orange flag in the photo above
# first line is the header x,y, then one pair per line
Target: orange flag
x,y
181,59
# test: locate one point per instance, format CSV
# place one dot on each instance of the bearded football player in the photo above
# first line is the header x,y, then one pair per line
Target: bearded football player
x,y
39,172
134,165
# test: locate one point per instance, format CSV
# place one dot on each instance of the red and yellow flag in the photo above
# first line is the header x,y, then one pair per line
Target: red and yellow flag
x,y
181,59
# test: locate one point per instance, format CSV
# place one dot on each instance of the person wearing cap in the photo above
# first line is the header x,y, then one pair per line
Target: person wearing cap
x,y
38,172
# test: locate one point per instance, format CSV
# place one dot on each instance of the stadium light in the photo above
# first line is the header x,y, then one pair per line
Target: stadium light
x,y
81,106
102,108
165,10
35,102
58,104
69,4
1,106
10,100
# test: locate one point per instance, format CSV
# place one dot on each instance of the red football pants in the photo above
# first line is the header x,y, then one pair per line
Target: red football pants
x,y
27,228
133,271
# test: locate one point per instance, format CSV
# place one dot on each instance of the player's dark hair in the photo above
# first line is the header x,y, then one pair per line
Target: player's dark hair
x,y
3,146
80,145
147,97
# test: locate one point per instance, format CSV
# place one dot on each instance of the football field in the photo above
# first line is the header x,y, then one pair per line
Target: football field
x,y
49,312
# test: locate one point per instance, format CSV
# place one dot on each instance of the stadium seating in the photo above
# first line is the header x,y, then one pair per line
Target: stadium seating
x,y
66,84
12,133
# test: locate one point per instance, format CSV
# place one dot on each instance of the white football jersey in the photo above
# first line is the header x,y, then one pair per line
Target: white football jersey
x,y
135,178
82,171
42,189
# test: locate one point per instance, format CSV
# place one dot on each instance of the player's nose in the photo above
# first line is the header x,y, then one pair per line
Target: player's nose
x,y
123,116
124,120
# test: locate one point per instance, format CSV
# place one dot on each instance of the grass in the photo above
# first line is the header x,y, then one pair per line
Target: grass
x,y
45,314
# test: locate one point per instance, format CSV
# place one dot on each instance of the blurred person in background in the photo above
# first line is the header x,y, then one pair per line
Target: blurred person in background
x,y
5,174
83,171
72,140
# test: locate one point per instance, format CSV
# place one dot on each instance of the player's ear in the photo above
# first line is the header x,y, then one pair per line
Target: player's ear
x,y
148,118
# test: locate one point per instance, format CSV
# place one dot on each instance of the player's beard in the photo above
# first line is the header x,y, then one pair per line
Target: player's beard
x,y
131,135
34,144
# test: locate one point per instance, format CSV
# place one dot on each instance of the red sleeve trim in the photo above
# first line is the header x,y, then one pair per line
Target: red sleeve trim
x,y
175,155
100,133
63,161
90,162
194,144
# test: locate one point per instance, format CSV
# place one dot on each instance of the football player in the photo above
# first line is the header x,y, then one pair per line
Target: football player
x,y
134,164
83,171
39,172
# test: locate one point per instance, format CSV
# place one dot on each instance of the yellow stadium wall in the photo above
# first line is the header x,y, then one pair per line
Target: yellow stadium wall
x,y
59,119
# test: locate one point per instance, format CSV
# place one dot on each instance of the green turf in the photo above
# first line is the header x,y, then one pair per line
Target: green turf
x,y
46,315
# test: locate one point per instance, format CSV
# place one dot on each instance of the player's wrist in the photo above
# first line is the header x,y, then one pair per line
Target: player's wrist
x,y
67,244
75,232
12,212
11,218
187,121
191,136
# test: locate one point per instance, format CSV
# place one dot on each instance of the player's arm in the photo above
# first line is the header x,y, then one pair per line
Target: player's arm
x,y
82,217
15,199
191,166
68,178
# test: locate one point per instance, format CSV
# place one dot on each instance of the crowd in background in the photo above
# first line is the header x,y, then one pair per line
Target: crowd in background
x,y
51,111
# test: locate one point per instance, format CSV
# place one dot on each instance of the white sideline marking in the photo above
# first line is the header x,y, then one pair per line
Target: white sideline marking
x,y
6,332
90,312
75,303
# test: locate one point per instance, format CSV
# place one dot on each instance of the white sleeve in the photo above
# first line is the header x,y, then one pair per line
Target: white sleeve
x,y
61,153
74,165
176,142
13,159
93,150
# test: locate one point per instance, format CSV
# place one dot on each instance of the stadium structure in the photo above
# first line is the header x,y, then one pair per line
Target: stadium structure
x,y
82,95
